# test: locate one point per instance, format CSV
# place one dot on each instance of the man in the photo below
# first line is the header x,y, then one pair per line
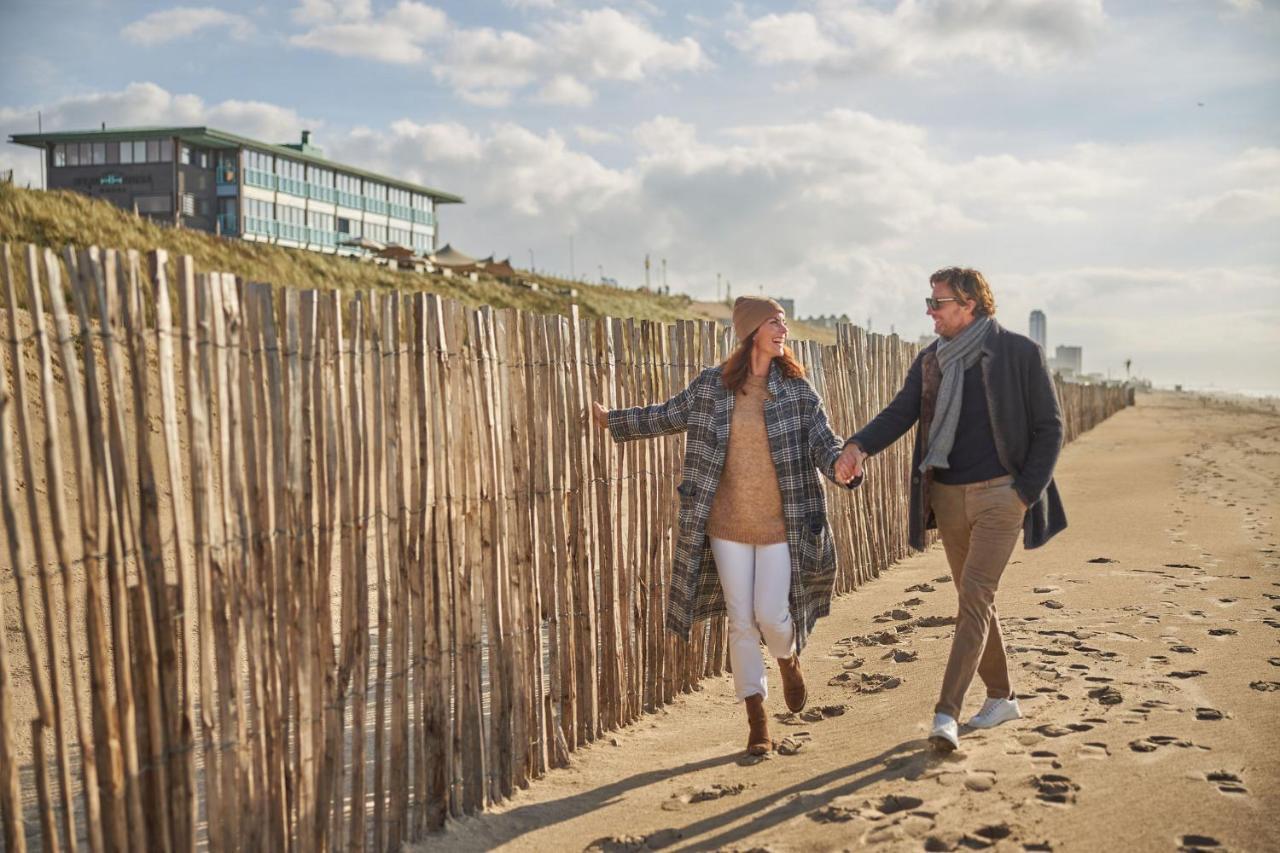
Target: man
x,y
982,471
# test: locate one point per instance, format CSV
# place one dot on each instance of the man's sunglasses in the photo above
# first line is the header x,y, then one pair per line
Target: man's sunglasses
x,y
936,304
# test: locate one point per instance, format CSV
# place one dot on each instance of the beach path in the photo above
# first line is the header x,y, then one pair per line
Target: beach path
x,y
1144,647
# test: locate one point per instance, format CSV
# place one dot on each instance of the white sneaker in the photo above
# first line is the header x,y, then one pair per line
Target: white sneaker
x,y
994,712
945,736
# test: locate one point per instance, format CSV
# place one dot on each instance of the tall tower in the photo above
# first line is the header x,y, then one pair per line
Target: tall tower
x,y
1039,329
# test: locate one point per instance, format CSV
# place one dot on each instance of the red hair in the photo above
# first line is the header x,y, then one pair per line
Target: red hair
x,y
734,370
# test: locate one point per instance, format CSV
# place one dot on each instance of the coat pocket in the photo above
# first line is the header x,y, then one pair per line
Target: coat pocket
x,y
687,492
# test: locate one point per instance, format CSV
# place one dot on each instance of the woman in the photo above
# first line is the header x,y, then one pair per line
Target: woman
x,y
754,540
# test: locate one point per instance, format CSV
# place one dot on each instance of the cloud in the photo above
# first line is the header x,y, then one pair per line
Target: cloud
x,y
397,37
923,35
317,11
182,21
846,212
593,135
567,90
141,104
556,60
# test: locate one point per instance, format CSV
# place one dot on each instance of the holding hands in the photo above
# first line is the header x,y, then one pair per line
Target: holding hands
x,y
849,465
600,415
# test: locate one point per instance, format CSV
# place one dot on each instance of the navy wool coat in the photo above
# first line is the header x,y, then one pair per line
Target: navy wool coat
x,y
801,444
1026,423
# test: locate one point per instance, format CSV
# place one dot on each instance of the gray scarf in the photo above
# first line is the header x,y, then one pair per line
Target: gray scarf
x,y
955,356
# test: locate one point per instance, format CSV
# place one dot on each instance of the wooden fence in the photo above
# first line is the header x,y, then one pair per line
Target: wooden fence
x,y
308,570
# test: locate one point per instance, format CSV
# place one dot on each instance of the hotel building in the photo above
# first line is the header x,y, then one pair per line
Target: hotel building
x,y
210,180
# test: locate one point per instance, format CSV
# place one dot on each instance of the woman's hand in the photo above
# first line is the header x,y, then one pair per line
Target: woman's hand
x,y
600,415
849,465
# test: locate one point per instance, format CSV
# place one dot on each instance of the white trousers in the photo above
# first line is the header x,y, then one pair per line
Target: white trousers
x,y
756,580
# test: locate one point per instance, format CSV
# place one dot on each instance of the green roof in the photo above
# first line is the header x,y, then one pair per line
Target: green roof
x,y
208,137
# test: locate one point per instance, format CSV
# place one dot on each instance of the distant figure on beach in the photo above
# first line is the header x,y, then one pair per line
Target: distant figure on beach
x,y
753,535
982,471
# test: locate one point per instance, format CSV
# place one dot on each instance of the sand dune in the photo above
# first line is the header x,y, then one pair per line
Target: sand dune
x,y
1144,650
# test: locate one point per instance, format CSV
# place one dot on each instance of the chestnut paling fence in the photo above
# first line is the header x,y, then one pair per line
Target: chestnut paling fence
x,y
291,569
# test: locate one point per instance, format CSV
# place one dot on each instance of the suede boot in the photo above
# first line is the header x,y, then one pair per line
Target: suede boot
x,y
793,689
758,742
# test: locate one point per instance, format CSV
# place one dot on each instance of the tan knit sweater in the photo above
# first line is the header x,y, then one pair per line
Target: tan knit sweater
x,y
747,507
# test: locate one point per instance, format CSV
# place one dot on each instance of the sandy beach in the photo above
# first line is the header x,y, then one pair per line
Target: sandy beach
x,y
1144,651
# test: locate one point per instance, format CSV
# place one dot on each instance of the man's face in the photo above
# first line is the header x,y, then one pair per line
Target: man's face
x,y
953,315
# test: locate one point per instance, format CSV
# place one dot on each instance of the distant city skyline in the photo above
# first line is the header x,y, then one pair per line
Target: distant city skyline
x,y
1113,164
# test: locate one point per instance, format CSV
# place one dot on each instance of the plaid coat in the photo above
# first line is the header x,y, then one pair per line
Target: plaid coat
x,y
801,443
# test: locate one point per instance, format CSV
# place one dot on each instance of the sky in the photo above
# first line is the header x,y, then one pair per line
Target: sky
x,y
1114,164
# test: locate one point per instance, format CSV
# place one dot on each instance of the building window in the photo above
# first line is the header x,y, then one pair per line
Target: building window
x,y
184,155
166,150
153,204
99,153
59,155
188,204
73,154
113,152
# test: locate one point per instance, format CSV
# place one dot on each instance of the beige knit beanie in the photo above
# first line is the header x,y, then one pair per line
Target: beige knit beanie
x,y
751,312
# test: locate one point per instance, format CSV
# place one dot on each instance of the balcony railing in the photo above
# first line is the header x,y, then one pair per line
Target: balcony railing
x,y
424,217
292,186
227,224
400,211
259,178
260,226
373,205
319,193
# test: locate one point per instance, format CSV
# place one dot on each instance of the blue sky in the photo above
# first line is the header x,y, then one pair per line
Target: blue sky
x,y
1114,164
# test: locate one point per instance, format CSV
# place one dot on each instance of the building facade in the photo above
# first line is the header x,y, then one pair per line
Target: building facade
x,y
1069,361
198,177
1040,329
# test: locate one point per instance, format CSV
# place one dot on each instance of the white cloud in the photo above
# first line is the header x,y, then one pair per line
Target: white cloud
x,y
923,35
145,104
593,135
182,21
317,11
567,90
556,59
397,37
847,212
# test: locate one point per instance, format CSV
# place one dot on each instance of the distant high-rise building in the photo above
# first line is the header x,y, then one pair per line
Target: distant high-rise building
x,y
1040,329
1069,360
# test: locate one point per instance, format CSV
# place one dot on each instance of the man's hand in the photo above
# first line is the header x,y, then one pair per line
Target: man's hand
x,y
849,465
600,415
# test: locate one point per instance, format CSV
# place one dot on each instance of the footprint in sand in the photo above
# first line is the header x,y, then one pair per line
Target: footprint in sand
x,y
1265,686
866,682
901,656
1228,783
913,602
1046,758
1094,749
980,780
635,843
1045,590
920,587
935,621
1222,632
1055,730
1153,742
1209,714
1055,788
689,796
1106,695
818,714
1198,844
1102,560
1274,661
794,743
1188,673
1052,604
1183,650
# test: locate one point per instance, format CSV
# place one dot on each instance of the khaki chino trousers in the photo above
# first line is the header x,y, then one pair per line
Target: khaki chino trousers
x,y
979,524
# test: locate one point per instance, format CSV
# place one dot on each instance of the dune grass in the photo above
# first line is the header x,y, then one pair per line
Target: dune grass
x,y
58,218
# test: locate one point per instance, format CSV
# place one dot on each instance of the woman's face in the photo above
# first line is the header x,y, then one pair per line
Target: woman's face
x,y
772,336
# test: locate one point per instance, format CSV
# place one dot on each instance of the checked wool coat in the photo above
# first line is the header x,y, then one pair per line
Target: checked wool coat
x,y
801,444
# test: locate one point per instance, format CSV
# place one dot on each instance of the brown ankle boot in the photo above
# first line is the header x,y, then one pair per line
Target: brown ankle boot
x,y
758,742
793,689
